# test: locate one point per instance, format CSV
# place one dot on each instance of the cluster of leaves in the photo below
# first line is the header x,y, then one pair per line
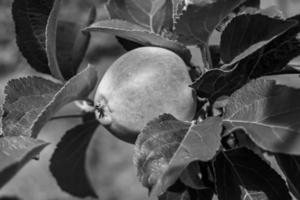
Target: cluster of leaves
x,y
248,97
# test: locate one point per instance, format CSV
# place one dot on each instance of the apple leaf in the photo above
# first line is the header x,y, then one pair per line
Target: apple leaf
x,y
238,42
190,176
197,22
15,152
217,82
174,196
128,45
290,165
30,18
77,88
25,99
268,110
203,194
138,34
155,16
71,45
35,23
69,159
189,194
51,40
241,174
166,146
280,51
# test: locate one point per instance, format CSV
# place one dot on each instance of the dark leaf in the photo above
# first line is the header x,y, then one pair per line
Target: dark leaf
x,y
173,144
197,22
139,35
241,174
128,45
268,110
242,37
203,194
15,152
155,16
217,82
30,18
278,53
290,165
72,45
189,194
69,159
191,176
25,99
215,55
77,88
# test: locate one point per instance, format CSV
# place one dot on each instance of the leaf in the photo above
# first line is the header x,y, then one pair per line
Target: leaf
x,y
138,34
268,111
175,196
30,18
197,22
155,16
241,174
217,82
203,194
290,165
237,42
77,88
15,152
189,194
51,41
69,159
32,26
279,52
72,45
191,176
25,99
166,146
128,45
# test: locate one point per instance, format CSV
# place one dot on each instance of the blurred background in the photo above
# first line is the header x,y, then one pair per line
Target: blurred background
x,y
113,174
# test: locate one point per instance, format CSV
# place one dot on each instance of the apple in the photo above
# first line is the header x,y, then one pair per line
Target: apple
x,y
141,85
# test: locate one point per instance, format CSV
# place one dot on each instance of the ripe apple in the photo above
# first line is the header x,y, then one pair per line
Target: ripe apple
x,y
141,85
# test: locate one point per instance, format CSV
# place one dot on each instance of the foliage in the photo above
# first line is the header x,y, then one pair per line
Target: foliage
x,y
248,97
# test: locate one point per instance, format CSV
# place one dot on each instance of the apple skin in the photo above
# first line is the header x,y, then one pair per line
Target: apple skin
x,y
141,85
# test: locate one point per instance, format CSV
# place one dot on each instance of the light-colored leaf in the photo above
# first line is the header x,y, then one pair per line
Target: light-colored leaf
x,y
269,111
201,142
138,34
167,146
51,41
25,99
77,88
15,152
155,16
201,17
